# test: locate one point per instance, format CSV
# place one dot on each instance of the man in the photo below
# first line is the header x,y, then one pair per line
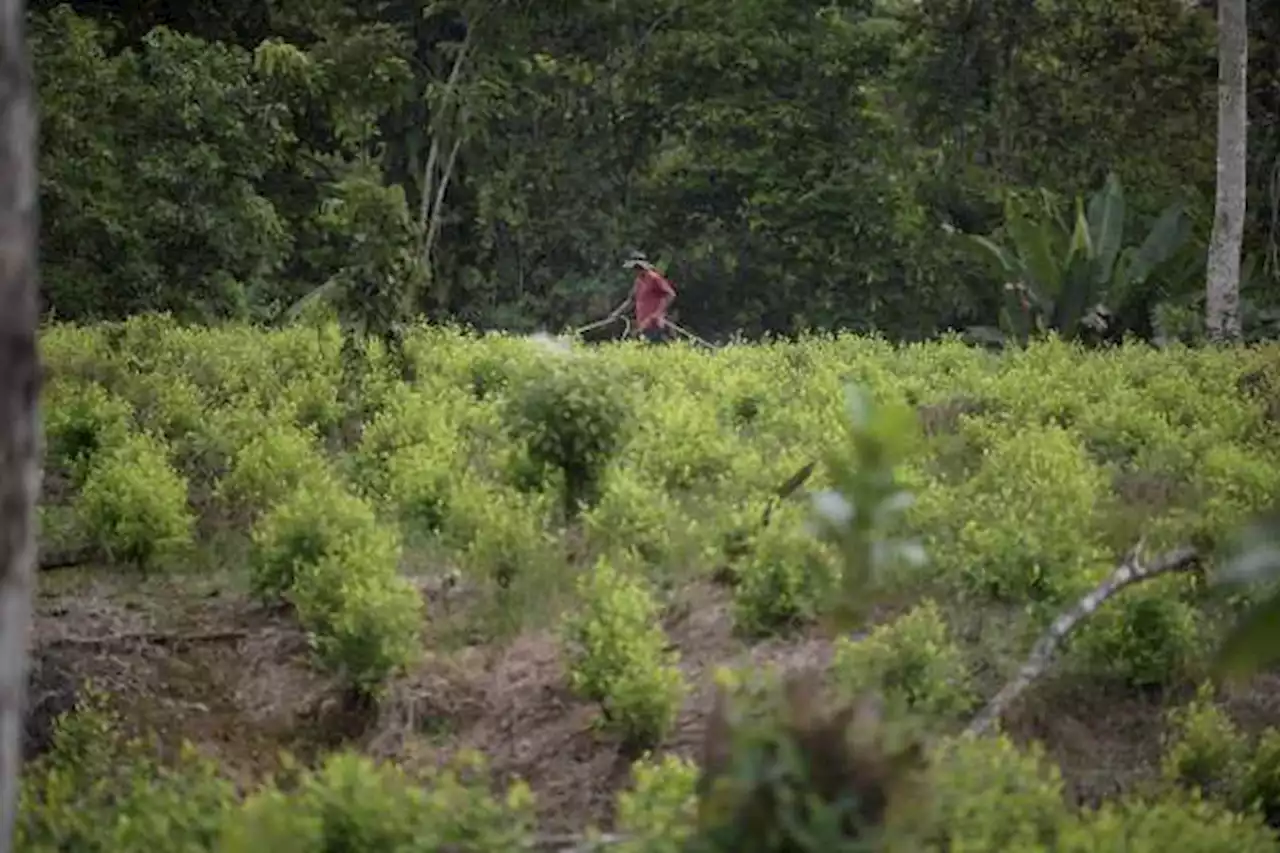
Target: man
x,y
652,295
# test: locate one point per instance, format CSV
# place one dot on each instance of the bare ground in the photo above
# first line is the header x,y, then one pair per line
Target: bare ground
x,y
241,688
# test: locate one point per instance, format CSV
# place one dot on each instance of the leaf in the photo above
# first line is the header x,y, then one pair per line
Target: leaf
x,y
1106,227
1006,261
1035,247
1165,238
328,290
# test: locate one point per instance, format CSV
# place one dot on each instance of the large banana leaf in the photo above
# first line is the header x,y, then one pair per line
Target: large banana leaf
x,y
1106,228
1035,246
1166,236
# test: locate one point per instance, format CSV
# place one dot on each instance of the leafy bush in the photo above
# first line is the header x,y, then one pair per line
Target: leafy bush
x,y
1024,526
912,662
97,790
1260,788
499,533
270,466
317,520
1179,823
633,515
619,656
366,620
420,482
573,419
987,795
82,420
1146,637
1204,750
786,579
657,814
351,803
134,505
323,550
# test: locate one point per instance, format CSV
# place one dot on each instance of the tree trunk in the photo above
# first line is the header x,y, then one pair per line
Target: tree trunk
x,y
1222,305
19,393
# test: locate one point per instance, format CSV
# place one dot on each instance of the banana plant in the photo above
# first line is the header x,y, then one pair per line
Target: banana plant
x,y
1068,276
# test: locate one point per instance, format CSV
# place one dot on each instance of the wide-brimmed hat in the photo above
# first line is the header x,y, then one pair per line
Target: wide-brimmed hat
x,y
636,259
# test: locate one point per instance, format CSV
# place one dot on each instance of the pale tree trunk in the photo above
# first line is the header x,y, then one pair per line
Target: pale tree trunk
x,y
19,393
1222,303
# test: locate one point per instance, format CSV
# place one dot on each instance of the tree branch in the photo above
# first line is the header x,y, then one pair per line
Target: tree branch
x,y
156,638
1130,571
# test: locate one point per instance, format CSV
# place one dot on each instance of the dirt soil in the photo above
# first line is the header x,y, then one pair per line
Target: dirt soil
x,y
233,678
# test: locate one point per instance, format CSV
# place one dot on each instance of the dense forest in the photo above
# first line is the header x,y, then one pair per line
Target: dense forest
x,y
791,164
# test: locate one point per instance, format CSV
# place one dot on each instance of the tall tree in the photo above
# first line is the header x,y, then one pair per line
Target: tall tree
x,y
1222,305
19,392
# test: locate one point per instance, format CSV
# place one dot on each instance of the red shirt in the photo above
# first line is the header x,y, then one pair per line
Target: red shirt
x,y
652,292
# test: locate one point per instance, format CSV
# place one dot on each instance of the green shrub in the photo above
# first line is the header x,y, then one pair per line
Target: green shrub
x,y
683,446
1260,787
912,662
97,790
1146,637
1024,527
352,804
657,814
1182,823
1204,750
134,504
499,532
365,619
633,515
571,418
323,550
786,580
270,466
315,521
988,795
618,655
412,427
82,420
420,482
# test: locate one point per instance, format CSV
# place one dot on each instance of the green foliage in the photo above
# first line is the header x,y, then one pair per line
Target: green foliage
x,y
125,201
351,803
1260,787
133,505
1147,637
572,419
1204,749
1023,527
619,655
324,550
1053,458
788,579
1062,276
988,795
785,773
867,504
1176,823
272,465
912,662
657,814
81,420
364,618
97,790
314,522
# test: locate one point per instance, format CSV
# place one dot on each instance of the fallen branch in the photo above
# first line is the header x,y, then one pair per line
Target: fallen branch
x,y
1130,571
155,638
66,559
